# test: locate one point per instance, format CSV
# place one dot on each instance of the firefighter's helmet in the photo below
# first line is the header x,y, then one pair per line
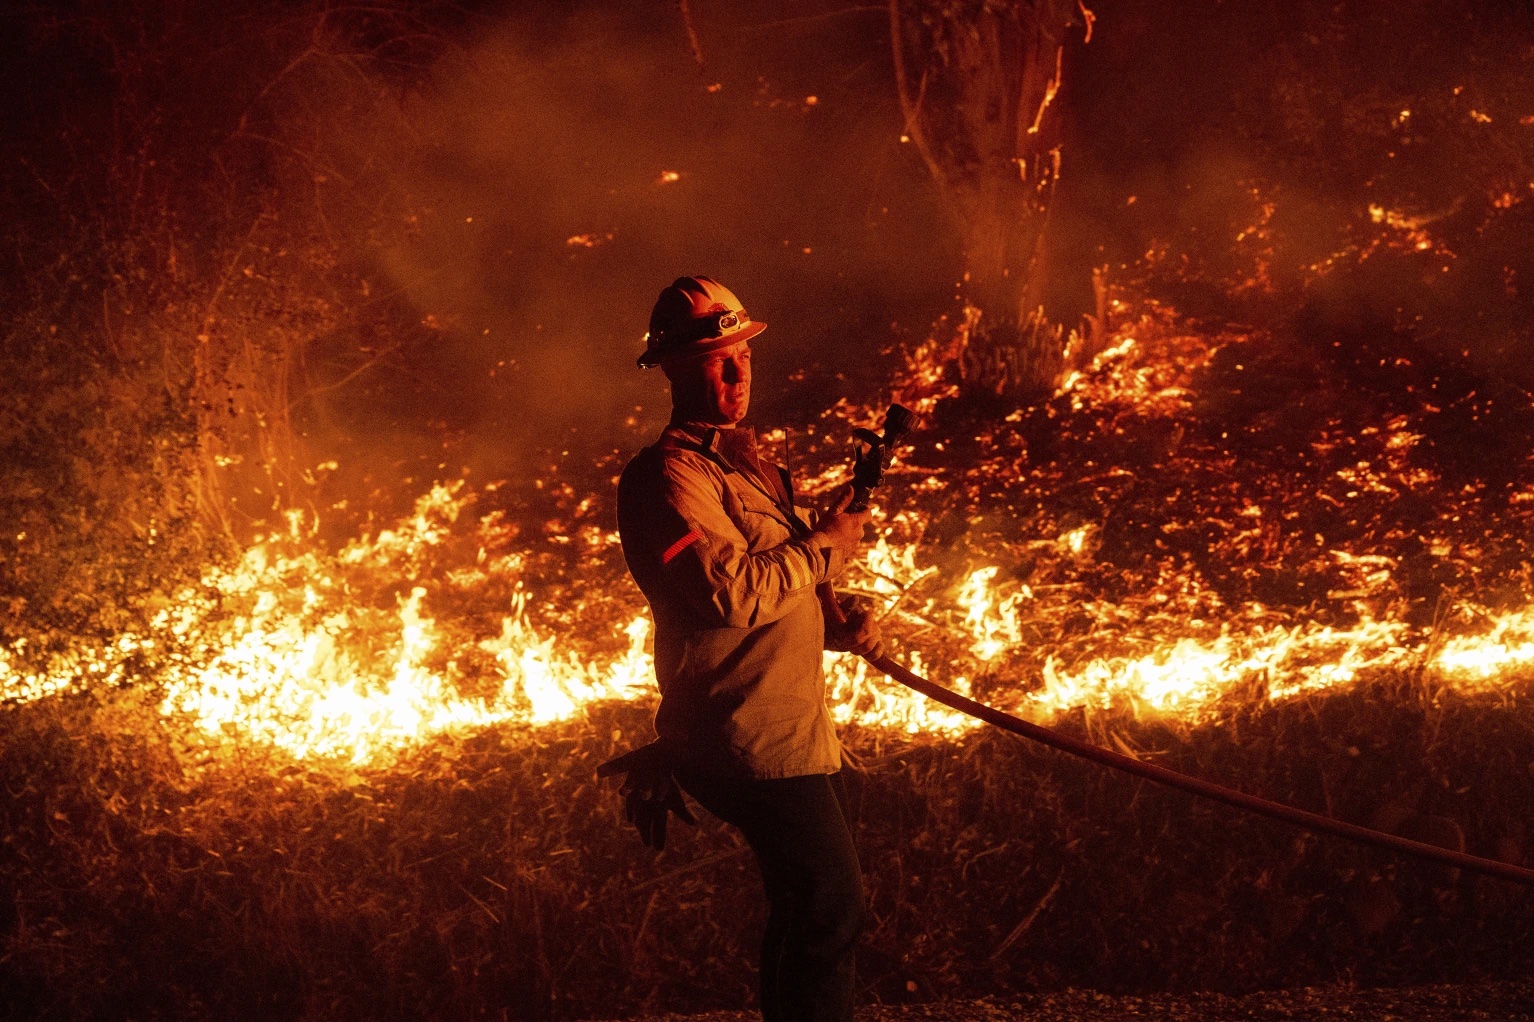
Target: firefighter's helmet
x,y
693,316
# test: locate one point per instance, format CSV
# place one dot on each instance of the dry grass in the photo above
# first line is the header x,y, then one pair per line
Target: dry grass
x,y
490,876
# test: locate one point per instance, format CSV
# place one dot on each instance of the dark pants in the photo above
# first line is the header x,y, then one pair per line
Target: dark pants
x,y
798,828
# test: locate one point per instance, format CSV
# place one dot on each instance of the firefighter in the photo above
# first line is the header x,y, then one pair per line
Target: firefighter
x,y
729,565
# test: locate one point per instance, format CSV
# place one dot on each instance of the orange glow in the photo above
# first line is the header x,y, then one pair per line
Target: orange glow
x,y
442,623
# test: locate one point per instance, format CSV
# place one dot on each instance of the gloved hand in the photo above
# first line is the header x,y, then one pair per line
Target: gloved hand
x,y
650,793
841,528
860,636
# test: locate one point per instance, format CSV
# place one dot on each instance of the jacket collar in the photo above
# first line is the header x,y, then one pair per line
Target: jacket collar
x,y
734,450
694,434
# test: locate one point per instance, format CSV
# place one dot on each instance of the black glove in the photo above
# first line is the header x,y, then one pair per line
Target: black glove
x,y
650,792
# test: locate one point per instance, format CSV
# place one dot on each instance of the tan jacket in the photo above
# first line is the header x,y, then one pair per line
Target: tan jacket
x,y
730,570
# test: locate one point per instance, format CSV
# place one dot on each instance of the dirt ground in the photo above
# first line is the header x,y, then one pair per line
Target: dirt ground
x,y
1502,1002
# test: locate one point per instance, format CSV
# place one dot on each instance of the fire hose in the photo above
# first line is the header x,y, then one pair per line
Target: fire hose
x,y
1314,822
872,458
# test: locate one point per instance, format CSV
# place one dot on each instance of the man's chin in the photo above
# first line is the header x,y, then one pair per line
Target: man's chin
x,y
729,415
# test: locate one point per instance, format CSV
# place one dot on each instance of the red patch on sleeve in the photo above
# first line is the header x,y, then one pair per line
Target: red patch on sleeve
x,y
680,545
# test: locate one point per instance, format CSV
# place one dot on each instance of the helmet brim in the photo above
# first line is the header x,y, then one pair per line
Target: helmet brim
x,y
681,353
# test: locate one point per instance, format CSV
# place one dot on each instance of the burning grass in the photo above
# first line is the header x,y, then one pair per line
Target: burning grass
x,y
1152,540
357,779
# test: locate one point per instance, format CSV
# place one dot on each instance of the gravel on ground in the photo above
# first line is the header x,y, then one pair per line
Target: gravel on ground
x,y
1492,1002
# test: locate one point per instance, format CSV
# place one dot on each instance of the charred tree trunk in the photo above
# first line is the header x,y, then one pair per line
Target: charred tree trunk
x,y
977,82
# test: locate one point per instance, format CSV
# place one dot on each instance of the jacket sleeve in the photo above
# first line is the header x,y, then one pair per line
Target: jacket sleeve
x,y
710,567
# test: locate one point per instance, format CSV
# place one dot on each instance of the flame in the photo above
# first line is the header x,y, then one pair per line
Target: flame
x,y
277,650
857,697
447,621
285,672
1480,662
296,687
1191,677
994,624
557,685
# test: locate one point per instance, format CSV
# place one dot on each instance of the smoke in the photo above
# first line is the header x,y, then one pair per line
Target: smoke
x,y
527,201
505,200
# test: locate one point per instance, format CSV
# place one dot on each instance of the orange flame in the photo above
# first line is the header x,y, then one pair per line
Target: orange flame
x,y
354,656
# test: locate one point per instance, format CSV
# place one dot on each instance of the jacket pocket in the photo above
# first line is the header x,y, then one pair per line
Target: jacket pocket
x,y
763,529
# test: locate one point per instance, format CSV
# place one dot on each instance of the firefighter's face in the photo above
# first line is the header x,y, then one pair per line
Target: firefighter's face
x,y
714,388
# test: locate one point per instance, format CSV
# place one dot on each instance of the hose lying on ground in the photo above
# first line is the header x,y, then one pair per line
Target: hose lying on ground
x,y
872,457
1314,822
